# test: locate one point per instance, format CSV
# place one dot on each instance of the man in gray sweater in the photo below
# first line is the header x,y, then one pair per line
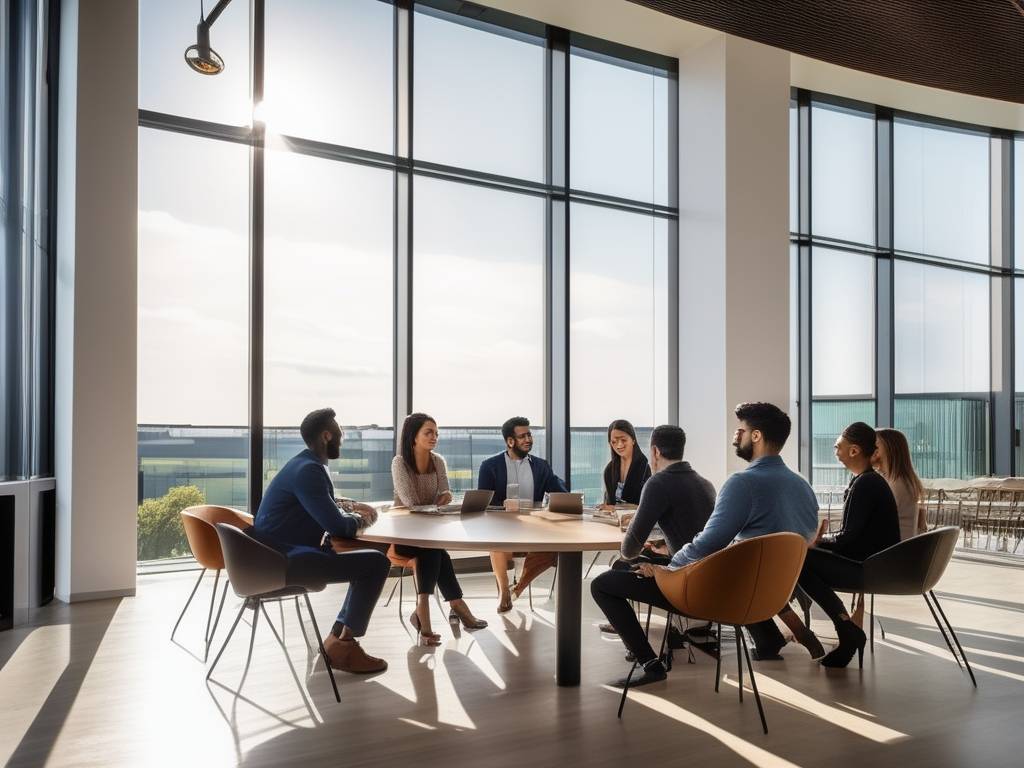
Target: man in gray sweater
x,y
679,501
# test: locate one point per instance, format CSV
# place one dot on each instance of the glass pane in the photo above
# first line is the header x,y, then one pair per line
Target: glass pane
x,y
193,332
1018,201
1018,356
479,98
328,313
941,193
828,419
364,470
618,130
843,175
478,308
618,337
948,435
167,84
842,324
794,171
942,330
330,71
328,296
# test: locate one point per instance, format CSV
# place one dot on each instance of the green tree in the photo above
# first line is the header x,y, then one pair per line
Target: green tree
x,y
160,531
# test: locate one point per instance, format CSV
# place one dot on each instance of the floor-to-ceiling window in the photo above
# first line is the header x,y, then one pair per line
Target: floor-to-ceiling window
x,y
396,216
895,233
942,335
842,280
619,259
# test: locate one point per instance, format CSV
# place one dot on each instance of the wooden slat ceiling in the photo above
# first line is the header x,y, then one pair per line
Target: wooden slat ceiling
x,y
970,46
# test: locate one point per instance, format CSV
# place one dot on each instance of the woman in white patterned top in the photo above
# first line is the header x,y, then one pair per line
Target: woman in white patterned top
x,y
420,476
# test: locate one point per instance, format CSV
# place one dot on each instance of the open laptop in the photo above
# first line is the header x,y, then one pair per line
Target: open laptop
x,y
473,501
566,503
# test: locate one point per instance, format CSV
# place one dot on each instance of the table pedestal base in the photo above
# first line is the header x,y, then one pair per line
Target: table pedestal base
x,y
568,609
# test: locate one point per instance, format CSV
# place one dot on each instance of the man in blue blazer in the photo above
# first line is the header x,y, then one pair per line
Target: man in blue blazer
x,y
298,516
534,477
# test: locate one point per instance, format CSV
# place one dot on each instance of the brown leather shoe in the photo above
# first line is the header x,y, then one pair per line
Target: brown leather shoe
x,y
348,656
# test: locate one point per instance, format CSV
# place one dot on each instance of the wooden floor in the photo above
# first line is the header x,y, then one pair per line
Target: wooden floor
x,y
100,684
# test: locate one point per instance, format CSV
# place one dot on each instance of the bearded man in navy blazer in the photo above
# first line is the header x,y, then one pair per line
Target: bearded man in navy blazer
x,y
534,477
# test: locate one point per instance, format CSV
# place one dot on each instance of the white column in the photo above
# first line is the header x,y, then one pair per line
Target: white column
x,y
97,181
733,241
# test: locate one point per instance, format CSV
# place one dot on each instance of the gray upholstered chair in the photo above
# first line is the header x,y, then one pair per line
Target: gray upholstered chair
x,y
912,567
257,574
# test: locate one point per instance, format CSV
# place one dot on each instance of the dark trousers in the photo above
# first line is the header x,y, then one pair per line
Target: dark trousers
x,y
365,571
433,569
613,590
822,570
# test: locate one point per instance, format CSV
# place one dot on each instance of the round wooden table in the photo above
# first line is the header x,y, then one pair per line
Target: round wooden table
x,y
535,531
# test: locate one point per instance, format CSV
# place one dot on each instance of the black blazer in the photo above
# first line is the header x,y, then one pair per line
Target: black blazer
x,y
639,473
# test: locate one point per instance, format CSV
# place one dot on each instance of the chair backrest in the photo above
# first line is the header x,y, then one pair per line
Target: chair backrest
x,y
742,584
913,566
253,568
198,523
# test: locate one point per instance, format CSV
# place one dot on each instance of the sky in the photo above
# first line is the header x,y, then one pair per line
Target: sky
x,y
477,253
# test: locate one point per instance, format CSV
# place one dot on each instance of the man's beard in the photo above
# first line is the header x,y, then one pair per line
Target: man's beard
x,y
520,452
745,453
334,450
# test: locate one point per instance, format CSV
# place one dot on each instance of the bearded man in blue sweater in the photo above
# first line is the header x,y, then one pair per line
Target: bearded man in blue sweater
x,y
299,515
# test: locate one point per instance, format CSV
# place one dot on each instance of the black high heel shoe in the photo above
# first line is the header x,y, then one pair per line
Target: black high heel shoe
x,y
851,640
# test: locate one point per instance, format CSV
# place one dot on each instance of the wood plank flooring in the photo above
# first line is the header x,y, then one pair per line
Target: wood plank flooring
x,y
100,684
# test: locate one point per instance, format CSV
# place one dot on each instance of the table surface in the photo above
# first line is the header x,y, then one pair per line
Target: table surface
x,y
528,531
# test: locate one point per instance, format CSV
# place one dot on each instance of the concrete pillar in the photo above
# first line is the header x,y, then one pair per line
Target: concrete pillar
x,y
733,240
97,182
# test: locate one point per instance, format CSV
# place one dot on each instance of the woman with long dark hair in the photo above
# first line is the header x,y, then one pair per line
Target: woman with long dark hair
x,y
628,469
420,476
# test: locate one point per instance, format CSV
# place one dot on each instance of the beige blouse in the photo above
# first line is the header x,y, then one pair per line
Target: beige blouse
x,y
907,506
412,489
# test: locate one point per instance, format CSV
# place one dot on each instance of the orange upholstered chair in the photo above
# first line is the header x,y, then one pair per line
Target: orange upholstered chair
x,y
202,538
742,584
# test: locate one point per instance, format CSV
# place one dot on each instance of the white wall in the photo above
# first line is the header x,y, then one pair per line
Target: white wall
x,y
96,300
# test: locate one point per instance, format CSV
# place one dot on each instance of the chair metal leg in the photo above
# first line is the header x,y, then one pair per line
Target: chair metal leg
x,y
189,602
302,624
625,689
739,658
213,599
718,665
753,681
227,639
554,580
955,638
664,643
216,621
942,629
589,567
871,618
252,640
323,651
388,601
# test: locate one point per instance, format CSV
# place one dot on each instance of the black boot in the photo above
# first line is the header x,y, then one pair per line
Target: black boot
x,y
851,641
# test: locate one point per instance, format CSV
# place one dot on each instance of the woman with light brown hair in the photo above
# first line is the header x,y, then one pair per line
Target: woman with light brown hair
x,y
891,460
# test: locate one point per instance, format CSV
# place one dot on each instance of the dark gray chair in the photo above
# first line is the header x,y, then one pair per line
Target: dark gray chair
x,y
257,574
913,567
